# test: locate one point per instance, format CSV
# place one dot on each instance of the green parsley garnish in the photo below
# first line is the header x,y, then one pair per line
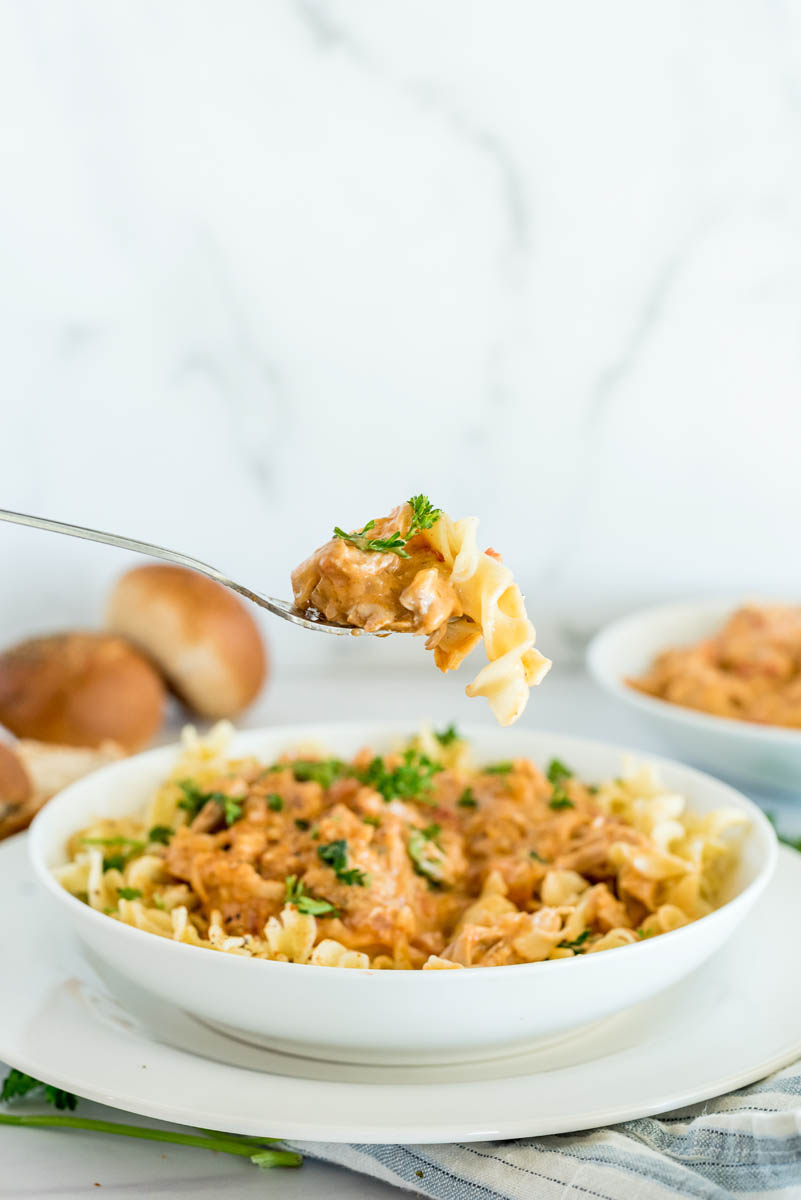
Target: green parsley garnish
x,y
160,834
560,799
467,799
295,894
194,798
501,768
448,736
232,810
116,862
427,857
578,943
301,824
424,516
537,857
372,821
412,780
312,770
126,893
335,856
557,771
793,843
645,933
16,1085
274,802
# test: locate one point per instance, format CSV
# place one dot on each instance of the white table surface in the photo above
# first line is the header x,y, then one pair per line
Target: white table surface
x,y
68,1165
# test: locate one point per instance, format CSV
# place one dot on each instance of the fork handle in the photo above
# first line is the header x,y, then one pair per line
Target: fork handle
x,y
126,543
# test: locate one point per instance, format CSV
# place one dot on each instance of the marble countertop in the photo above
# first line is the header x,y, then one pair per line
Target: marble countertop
x,y
72,1165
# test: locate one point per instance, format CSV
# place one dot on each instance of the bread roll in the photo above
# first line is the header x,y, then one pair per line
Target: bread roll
x,y
80,689
196,631
47,769
15,783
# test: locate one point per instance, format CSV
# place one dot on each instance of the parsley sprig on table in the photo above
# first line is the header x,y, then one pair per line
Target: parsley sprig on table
x,y
335,856
424,516
257,1149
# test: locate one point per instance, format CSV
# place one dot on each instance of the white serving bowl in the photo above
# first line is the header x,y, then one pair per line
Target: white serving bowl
x,y
766,756
387,1016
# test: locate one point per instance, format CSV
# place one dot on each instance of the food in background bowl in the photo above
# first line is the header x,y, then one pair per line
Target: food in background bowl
x,y
417,571
413,859
749,670
390,1016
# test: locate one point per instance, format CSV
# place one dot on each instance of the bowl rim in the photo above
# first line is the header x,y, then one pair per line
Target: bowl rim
x,y
598,652
77,911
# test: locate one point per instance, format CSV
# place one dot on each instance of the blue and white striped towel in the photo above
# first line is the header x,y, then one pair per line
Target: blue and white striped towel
x,y
745,1145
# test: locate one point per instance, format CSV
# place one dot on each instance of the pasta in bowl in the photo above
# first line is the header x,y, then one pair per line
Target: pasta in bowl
x,y
417,863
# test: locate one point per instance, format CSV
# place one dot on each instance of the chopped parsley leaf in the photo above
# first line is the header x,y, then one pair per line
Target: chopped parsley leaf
x,y
335,856
159,903
557,771
560,800
274,802
426,855
645,933
232,810
160,834
467,799
16,1084
372,821
194,798
537,857
424,516
431,832
448,736
116,862
313,770
301,824
295,894
126,893
577,945
501,768
412,780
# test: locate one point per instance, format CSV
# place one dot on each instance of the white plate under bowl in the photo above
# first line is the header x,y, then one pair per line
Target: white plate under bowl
x,y
394,1017
765,756
731,1022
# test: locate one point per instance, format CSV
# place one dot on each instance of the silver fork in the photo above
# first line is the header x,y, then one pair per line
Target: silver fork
x,y
279,608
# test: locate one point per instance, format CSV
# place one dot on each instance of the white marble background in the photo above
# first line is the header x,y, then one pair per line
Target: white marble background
x,y
274,264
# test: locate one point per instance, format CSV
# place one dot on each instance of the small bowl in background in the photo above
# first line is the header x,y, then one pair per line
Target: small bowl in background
x,y
765,756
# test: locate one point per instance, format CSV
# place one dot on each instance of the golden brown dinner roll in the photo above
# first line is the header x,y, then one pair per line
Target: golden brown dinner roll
x,y
15,783
47,770
196,631
80,689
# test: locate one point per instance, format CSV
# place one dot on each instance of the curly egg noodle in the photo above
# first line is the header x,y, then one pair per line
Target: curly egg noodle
x,y
421,572
417,859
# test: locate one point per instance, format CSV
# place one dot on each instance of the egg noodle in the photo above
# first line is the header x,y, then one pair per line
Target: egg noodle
x,y
418,571
415,859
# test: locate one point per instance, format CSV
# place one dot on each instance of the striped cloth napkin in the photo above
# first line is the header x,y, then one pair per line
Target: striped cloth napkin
x,y
746,1144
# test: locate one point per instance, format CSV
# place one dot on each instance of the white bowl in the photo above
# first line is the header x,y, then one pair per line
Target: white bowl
x,y
385,1016
766,756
